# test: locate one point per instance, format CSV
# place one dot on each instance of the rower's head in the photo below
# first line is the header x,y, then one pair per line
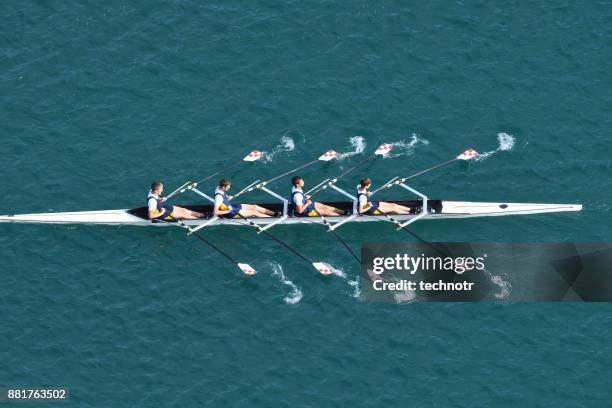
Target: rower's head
x,y
365,183
224,184
157,187
297,181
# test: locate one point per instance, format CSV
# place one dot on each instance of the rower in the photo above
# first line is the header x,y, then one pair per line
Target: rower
x,y
224,208
369,207
302,205
166,212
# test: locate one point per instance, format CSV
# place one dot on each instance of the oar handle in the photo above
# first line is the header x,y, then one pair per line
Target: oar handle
x,y
186,186
317,186
387,184
249,188
324,186
335,180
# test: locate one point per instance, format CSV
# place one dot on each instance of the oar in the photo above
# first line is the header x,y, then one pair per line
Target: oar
x,y
246,268
399,224
323,268
244,189
327,156
467,155
382,150
338,237
251,157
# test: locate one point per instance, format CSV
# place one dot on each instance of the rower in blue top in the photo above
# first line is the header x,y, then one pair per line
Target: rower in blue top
x,y
302,205
369,207
166,212
224,208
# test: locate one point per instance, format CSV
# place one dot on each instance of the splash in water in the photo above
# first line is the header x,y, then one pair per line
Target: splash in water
x,y
504,286
358,143
354,284
406,148
505,143
295,295
286,144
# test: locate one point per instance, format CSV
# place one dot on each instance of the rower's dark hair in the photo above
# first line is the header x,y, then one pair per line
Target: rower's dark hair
x,y
155,185
365,181
295,180
224,183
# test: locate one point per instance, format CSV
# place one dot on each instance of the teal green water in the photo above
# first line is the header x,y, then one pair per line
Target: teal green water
x,y
98,99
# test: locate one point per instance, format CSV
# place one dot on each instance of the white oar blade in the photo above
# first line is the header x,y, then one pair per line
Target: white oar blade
x,y
253,156
383,149
329,155
324,269
247,269
468,154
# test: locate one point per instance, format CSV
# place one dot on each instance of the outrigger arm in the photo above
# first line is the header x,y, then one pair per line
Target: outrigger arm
x,y
355,213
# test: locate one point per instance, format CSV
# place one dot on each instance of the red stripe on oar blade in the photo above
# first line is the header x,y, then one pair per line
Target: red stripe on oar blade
x,y
383,149
246,268
253,156
468,154
329,155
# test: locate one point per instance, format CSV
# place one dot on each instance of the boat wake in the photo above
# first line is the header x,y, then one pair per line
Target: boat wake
x,y
358,143
406,148
505,143
286,144
295,295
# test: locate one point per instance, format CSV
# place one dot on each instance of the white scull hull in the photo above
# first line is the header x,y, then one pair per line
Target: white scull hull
x,y
449,209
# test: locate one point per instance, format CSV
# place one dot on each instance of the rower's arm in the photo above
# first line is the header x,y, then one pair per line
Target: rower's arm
x,y
153,213
156,214
217,211
218,203
363,206
301,207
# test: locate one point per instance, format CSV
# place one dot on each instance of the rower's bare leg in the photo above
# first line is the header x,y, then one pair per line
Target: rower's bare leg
x,y
257,208
247,212
328,211
391,208
185,214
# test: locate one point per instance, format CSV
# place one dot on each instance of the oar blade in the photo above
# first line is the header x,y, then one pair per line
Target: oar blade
x,y
328,155
383,149
247,269
253,156
323,268
468,154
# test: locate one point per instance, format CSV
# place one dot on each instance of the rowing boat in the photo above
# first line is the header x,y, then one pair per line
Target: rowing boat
x,y
436,209
421,209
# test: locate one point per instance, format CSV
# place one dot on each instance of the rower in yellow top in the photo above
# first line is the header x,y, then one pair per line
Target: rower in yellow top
x,y
166,212
224,208
302,205
369,207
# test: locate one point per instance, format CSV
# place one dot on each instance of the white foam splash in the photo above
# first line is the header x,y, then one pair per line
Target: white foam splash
x,y
286,144
355,285
505,287
352,283
358,143
296,294
505,143
404,296
406,148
